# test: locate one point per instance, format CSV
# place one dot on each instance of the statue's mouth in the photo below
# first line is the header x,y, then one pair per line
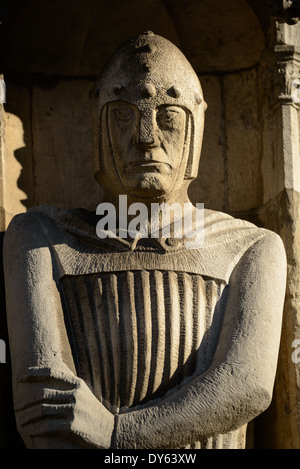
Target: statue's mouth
x,y
150,164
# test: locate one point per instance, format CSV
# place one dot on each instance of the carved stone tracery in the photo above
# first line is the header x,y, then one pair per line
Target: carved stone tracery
x,y
283,73
285,11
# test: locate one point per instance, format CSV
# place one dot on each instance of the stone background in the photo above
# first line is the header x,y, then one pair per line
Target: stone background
x,y
51,52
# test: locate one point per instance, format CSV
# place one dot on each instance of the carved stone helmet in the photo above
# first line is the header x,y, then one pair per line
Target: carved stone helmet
x,y
149,70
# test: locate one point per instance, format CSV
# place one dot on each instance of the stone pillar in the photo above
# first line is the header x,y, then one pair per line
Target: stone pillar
x,y
2,297
2,214
279,427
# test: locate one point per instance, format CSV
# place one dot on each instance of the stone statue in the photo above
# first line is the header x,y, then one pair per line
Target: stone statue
x,y
142,341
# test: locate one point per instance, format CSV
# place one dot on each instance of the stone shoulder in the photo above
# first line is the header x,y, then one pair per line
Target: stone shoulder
x,y
26,230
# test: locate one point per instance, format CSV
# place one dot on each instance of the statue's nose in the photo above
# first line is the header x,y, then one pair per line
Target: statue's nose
x,y
147,133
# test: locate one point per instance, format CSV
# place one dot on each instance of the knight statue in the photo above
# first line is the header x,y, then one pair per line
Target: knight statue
x,y
133,342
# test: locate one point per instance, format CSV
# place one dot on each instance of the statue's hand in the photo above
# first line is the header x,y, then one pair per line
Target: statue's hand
x,y
58,410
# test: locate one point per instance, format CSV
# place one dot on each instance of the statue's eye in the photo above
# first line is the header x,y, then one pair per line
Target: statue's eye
x,y
123,114
166,116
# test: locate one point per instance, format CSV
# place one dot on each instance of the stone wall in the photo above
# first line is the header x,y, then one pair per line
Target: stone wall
x,y
249,164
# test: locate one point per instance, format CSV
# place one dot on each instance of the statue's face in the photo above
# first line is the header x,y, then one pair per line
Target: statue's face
x,y
148,146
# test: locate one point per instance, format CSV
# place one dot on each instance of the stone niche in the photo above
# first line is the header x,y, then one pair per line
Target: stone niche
x,y
50,68
51,54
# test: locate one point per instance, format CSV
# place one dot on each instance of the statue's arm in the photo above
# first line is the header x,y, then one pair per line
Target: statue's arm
x,y
54,408
239,383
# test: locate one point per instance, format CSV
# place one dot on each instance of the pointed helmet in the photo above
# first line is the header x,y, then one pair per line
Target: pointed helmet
x,y
149,70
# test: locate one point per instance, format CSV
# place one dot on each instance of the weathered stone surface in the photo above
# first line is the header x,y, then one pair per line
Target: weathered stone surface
x,y
243,138
64,110
212,156
197,330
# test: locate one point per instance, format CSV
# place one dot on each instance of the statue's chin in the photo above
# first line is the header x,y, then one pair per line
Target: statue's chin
x,y
149,185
